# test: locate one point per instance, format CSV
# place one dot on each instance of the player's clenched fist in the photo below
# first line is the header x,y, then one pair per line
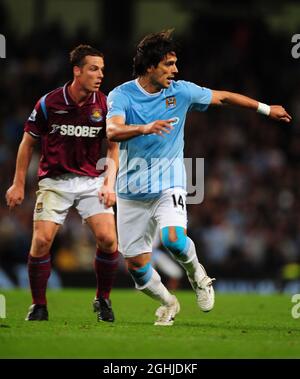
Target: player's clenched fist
x,y
14,196
107,196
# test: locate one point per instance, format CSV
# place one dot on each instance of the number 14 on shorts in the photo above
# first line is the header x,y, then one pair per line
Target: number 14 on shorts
x,y
178,201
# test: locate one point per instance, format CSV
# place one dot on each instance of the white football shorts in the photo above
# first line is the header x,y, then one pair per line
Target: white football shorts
x,y
138,219
57,195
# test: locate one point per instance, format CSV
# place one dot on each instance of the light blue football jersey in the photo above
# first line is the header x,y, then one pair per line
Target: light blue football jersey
x,y
150,163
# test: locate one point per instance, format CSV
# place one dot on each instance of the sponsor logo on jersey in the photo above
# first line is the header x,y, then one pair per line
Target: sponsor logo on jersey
x,y
39,208
175,121
55,128
32,116
170,102
77,131
96,115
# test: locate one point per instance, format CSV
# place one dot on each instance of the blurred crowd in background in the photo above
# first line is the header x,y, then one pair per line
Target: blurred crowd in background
x,y
248,226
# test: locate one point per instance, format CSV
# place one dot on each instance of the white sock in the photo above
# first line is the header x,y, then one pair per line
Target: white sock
x,y
193,268
155,289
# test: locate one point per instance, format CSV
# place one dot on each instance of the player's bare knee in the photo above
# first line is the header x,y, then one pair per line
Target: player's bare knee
x,y
107,243
41,245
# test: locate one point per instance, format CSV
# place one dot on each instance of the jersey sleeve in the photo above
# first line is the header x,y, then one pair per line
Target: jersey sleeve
x,y
36,124
117,103
200,97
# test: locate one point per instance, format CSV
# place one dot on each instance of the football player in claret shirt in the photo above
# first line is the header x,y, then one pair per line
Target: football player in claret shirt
x,y
69,123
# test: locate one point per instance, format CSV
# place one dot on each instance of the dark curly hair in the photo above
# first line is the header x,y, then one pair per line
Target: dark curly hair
x,y
77,55
151,50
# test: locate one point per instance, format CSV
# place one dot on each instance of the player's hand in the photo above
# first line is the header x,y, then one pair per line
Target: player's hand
x,y
278,113
107,196
159,127
14,196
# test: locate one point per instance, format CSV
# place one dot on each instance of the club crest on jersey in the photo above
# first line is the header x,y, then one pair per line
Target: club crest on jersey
x,y
170,102
96,115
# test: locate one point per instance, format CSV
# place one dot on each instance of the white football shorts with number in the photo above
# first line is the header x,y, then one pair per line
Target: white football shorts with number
x,y
138,220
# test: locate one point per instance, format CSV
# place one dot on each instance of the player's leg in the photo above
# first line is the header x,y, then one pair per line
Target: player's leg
x,y
135,239
39,267
183,249
50,211
102,223
148,281
171,215
174,272
106,262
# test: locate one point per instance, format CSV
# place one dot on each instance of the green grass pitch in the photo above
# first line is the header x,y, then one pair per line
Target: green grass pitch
x,y
240,326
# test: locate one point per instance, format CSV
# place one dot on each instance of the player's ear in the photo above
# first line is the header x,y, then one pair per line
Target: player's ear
x,y
76,71
150,69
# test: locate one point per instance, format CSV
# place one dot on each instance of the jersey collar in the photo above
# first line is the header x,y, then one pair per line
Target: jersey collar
x,y
146,92
70,101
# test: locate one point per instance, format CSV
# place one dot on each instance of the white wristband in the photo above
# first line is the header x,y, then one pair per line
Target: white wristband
x,y
263,109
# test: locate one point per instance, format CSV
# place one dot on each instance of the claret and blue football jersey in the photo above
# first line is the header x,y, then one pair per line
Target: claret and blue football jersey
x,y
71,135
150,163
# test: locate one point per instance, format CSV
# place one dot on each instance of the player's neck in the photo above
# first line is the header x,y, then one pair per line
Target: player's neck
x,y
78,94
146,84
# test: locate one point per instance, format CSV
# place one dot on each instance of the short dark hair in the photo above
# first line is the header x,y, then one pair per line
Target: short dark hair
x,y
78,54
151,50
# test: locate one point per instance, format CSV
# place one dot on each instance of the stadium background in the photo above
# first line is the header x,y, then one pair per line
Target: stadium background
x,y
247,228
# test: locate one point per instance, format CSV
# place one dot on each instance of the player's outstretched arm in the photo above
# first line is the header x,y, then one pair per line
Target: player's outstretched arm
x,y
117,130
276,112
15,194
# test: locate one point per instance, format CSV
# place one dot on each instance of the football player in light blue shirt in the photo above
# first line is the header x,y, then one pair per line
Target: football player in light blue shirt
x,y
150,151
147,117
